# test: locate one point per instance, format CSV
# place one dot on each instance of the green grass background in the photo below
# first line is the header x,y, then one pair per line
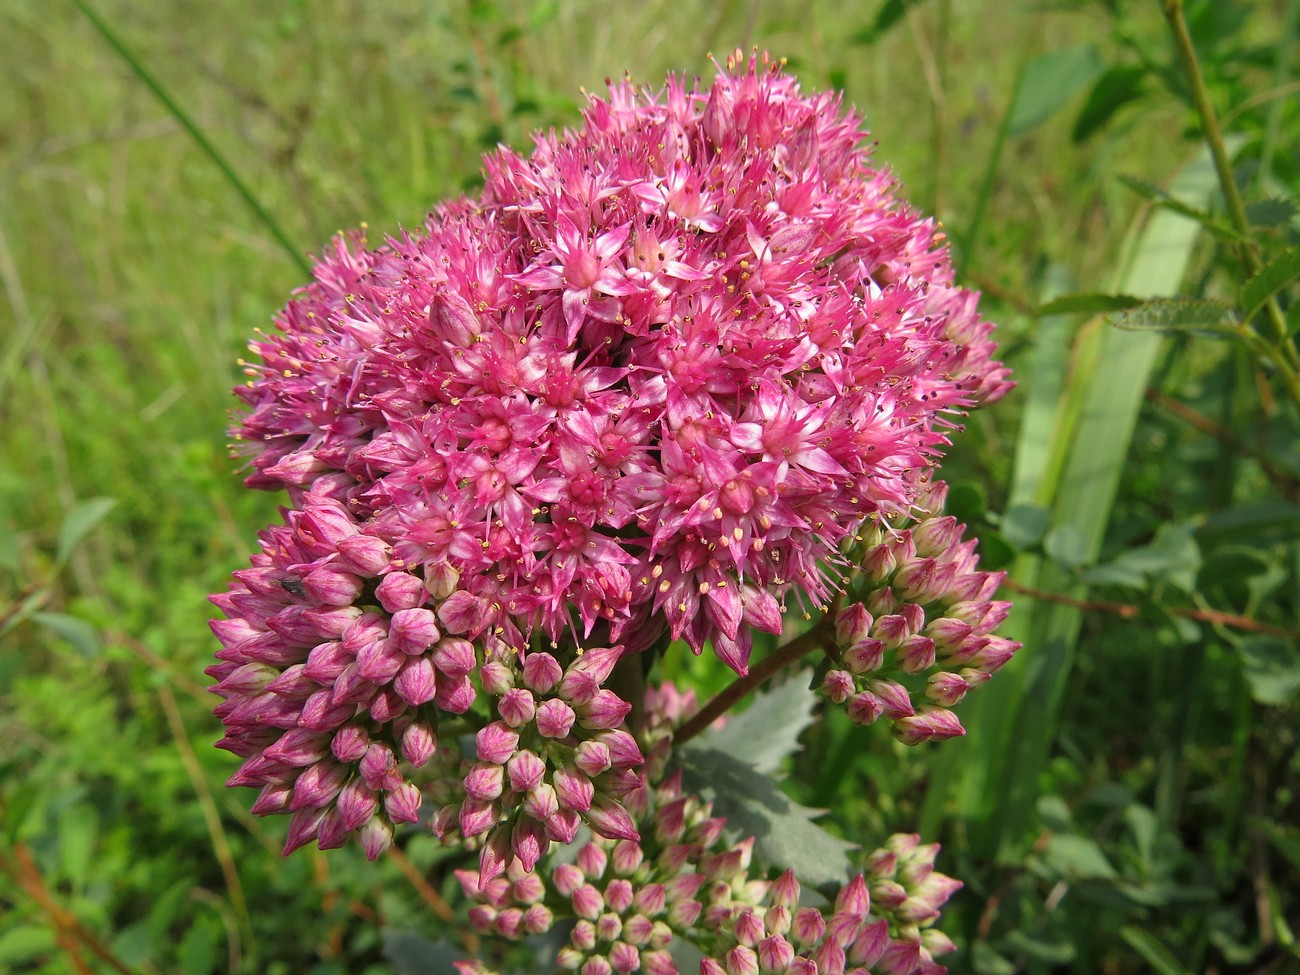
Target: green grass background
x,y
132,275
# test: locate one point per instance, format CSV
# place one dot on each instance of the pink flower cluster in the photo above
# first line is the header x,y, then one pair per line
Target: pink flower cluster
x,y
920,635
631,899
649,379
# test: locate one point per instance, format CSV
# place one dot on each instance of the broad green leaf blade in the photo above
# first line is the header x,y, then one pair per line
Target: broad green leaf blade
x,y
1271,212
991,777
1277,274
78,524
1153,950
1050,81
785,835
1088,303
768,732
1178,315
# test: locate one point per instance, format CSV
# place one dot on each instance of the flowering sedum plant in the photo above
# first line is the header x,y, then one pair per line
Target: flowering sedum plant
x,y
671,379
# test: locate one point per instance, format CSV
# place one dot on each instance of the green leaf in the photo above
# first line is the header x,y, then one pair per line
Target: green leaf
x,y
1066,545
414,954
9,548
1112,91
1026,524
1142,824
1270,212
1153,950
1050,80
1158,196
78,832
890,13
1178,315
1277,274
1077,858
197,952
25,944
1272,669
1088,303
785,835
767,733
1040,950
83,637
79,522
986,961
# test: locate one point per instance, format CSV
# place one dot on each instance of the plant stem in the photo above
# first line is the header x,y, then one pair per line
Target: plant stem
x,y
211,151
1245,250
818,638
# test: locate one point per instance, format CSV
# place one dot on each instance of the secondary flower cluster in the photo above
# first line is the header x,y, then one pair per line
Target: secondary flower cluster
x,y
631,899
921,635
649,379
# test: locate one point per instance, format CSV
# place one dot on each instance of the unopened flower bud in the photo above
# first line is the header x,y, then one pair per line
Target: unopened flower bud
x,y
400,590
837,685
541,673
555,718
496,743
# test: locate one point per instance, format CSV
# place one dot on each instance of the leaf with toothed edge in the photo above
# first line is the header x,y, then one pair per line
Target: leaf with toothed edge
x,y
767,732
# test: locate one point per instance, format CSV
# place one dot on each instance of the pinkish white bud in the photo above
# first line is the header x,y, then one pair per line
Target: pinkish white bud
x,y
416,683
775,954
915,654
618,895
403,804
376,837
541,673
555,718
413,630
894,698
440,580
365,555
946,689
525,770
587,902
573,789
379,767
496,743
837,685
400,590
592,757
605,709
455,658
608,818
541,803
485,781
852,623
497,678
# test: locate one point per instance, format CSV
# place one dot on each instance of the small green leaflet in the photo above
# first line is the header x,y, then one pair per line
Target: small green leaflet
x,y
79,522
1049,81
1089,303
1277,274
1158,196
1178,315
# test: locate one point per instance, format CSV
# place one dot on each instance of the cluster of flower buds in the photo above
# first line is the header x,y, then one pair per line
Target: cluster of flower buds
x,y
920,633
334,672
555,757
856,935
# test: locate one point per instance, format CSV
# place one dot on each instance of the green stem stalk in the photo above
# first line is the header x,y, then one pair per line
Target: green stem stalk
x,y
1246,253
181,116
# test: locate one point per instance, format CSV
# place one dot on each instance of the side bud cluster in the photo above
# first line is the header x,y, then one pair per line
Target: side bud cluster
x,y
334,670
556,757
920,635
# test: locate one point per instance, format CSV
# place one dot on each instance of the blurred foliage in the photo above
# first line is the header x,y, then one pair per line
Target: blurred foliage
x,y
1126,803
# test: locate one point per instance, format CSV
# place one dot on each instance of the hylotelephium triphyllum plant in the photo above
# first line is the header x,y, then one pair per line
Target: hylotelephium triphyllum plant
x,y
662,381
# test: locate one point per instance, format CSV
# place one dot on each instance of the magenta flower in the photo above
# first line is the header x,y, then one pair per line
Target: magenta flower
x,y
649,380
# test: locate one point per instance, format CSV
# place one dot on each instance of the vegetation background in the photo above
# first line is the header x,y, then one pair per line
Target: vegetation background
x,y
1128,798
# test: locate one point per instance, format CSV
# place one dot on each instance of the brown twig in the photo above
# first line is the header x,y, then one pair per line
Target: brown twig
x,y
69,930
1130,611
142,651
1286,483
819,637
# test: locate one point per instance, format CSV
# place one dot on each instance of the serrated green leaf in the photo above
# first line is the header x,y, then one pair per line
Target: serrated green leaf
x,y
1270,212
25,944
1089,303
79,522
1277,274
1049,82
1150,191
767,732
1153,950
413,954
785,835
1077,858
1178,315
1272,667
83,637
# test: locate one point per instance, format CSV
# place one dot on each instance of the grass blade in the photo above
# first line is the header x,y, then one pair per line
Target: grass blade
x,y
181,116
991,777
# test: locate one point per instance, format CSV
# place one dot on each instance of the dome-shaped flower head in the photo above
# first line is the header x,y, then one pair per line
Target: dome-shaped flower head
x,y
647,381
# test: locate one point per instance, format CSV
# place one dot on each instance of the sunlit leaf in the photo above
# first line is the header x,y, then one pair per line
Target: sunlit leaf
x,y
1178,315
767,732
